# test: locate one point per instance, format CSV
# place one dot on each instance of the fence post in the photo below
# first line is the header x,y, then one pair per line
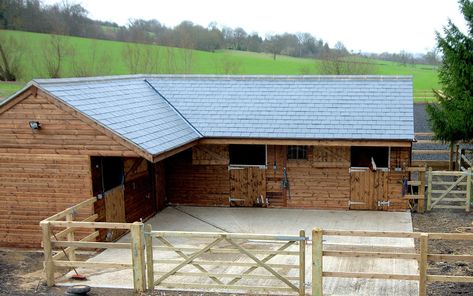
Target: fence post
x,y
302,263
48,253
317,262
137,254
468,190
149,257
423,264
70,237
429,190
421,190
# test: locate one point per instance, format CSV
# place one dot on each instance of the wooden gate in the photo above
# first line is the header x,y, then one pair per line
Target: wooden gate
x,y
115,210
246,185
223,262
449,189
367,188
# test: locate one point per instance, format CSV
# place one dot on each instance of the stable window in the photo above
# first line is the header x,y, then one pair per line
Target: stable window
x,y
247,154
362,156
297,152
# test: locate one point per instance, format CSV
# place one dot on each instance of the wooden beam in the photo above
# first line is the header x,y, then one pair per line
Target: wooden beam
x,y
20,97
347,142
161,156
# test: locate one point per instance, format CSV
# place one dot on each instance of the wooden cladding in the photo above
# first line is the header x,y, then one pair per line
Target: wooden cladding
x,y
35,186
322,181
196,184
60,133
210,154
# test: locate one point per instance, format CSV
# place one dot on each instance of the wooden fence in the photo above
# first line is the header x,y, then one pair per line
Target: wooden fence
x,y
148,263
60,241
449,189
245,267
422,256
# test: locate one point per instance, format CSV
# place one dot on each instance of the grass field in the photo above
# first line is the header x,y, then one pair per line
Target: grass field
x,y
198,62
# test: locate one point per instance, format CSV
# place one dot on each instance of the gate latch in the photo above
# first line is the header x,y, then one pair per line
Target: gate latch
x,y
384,203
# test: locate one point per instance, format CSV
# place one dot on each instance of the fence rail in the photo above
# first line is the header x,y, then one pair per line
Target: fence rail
x,y
422,256
192,255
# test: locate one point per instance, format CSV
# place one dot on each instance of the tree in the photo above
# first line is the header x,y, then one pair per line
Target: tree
x,y
54,51
452,118
10,56
339,61
94,62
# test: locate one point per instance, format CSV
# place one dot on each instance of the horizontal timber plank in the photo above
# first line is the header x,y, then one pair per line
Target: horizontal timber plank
x,y
366,275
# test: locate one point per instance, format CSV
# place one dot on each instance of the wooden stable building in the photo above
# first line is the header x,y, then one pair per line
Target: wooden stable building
x,y
143,142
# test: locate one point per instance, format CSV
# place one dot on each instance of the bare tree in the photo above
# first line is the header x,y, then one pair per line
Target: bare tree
x,y
187,60
93,63
229,65
10,56
339,62
141,58
54,51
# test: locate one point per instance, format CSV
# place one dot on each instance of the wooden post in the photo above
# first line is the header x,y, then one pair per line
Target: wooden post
x,y
48,254
302,263
468,190
149,257
450,158
317,262
137,254
429,190
421,191
423,264
457,157
70,237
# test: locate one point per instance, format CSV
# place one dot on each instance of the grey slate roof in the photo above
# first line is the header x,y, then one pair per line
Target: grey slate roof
x,y
160,112
129,107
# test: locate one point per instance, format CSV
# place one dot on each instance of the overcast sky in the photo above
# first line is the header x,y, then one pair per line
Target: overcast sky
x,y
366,25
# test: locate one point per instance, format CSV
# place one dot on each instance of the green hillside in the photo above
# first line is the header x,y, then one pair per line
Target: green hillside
x,y
110,60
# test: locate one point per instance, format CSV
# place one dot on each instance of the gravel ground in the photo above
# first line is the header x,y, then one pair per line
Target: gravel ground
x,y
447,221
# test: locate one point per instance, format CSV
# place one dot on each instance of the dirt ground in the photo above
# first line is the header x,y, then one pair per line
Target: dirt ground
x,y
21,270
447,221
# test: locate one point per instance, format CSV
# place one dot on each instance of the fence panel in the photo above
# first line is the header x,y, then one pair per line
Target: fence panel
x,y
449,189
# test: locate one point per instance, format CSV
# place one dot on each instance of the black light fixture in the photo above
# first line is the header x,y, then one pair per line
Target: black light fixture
x,y
35,125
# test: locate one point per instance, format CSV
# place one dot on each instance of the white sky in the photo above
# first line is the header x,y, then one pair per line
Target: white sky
x,y
366,25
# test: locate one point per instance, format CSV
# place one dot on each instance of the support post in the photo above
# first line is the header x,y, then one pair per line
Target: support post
x,y
421,191
457,157
317,262
468,190
423,264
149,257
450,158
71,237
138,258
302,263
429,190
48,253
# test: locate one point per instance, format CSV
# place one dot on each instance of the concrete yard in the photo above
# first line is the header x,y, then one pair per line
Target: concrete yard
x,y
288,222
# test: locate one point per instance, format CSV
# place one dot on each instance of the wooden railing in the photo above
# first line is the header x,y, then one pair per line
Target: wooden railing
x,y
248,253
60,242
422,256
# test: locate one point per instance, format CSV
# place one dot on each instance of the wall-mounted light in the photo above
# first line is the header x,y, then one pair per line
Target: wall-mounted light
x,y
274,166
35,125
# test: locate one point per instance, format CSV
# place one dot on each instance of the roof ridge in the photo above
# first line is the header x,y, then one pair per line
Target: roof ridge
x,y
174,109
223,77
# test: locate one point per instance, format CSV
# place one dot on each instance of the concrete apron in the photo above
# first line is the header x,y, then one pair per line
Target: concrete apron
x,y
283,221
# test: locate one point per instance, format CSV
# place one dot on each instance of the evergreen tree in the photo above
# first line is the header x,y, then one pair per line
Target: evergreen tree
x,y
452,118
